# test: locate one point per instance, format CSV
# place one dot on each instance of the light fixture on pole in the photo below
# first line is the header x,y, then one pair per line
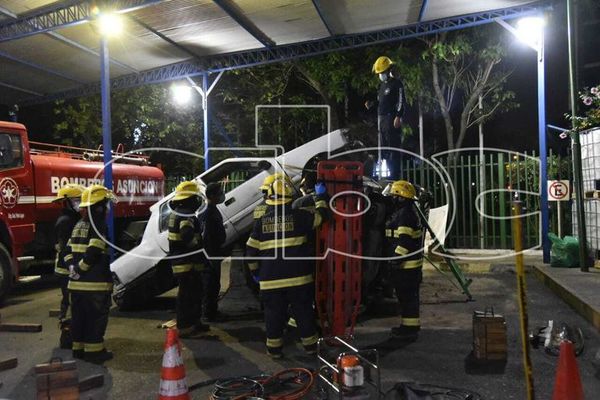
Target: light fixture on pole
x,y
530,30
181,94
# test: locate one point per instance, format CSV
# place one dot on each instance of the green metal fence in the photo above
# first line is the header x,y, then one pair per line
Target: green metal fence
x,y
500,177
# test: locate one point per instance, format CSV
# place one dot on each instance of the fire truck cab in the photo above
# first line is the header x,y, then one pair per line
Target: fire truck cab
x,y
31,174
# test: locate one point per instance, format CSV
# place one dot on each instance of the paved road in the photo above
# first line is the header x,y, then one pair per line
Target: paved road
x,y
236,347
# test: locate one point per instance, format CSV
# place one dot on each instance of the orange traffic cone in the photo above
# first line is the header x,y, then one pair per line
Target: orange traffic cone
x,y
173,385
567,385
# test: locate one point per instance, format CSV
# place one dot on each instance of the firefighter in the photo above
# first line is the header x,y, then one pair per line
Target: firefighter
x,y
260,209
187,260
90,283
280,235
69,196
390,109
404,246
213,234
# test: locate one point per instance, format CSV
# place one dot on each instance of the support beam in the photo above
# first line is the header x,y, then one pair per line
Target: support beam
x,y
324,19
107,133
164,37
238,16
294,51
63,15
423,10
39,67
71,43
20,89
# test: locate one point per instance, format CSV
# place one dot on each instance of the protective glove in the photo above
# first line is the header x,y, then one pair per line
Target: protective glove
x,y
72,273
320,188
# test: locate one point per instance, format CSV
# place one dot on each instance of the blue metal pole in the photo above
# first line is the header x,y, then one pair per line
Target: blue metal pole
x,y
206,120
106,130
541,80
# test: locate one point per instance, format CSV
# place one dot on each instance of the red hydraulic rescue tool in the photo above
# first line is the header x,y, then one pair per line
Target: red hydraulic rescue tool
x,y
339,274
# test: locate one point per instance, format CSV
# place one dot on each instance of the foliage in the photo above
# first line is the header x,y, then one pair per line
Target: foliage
x,y
465,67
141,117
590,97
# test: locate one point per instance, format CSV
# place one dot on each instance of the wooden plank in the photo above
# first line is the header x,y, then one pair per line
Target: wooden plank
x,y
91,382
20,327
54,366
9,363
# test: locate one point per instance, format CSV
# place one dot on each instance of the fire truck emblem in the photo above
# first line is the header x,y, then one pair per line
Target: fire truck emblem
x,y
9,192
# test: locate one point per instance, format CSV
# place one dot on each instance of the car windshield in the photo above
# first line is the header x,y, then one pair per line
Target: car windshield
x,y
11,151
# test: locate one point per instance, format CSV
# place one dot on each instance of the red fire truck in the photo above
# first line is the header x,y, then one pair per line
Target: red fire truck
x,y
31,174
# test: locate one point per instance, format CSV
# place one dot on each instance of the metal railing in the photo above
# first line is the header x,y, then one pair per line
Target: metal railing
x,y
507,176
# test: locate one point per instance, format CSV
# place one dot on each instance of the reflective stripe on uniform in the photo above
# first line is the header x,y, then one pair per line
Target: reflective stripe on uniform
x,y
411,264
253,243
317,221
411,322
401,250
288,282
309,340
388,233
61,271
91,286
184,223
274,342
78,248
77,346
93,347
83,265
178,269
405,230
279,243
253,266
174,236
68,257
98,243
321,204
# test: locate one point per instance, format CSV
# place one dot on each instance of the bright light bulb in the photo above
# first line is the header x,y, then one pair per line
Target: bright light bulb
x,y
110,24
530,30
181,94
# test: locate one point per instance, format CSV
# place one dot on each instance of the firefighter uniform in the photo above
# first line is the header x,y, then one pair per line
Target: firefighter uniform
x,y
213,235
187,260
277,237
90,283
404,242
391,105
70,194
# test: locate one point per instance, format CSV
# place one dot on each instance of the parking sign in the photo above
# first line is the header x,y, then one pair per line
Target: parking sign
x,y
558,190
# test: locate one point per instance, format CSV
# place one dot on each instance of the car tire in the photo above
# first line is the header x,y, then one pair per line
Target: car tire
x,y
6,275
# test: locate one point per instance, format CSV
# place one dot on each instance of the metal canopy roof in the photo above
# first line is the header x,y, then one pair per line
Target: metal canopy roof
x,y
50,49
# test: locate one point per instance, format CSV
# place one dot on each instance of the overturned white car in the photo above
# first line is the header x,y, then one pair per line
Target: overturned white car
x,y
142,272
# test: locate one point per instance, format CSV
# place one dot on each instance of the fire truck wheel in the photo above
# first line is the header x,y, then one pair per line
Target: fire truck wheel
x,y
6,278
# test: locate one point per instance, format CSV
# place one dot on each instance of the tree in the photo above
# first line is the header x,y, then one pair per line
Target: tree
x,y
464,68
141,117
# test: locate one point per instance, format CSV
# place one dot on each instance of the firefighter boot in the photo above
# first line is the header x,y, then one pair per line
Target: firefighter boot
x,y
405,333
99,357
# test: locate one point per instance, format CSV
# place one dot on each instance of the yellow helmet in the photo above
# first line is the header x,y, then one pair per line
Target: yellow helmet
x,y
69,191
382,64
403,189
280,192
95,194
185,190
269,180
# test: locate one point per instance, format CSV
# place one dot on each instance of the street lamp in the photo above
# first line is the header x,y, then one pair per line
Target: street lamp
x,y
530,30
182,94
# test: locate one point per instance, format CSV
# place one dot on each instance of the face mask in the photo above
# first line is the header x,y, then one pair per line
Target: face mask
x,y
75,204
383,76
